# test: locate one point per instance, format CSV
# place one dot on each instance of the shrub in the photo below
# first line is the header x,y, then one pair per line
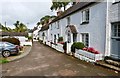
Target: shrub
x,y
14,41
60,39
77,45
29,37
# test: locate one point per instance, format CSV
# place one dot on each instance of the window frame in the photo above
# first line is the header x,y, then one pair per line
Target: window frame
x,y
85,39
115,28
85,16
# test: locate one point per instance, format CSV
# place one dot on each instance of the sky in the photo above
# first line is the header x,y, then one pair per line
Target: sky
x,y
28,12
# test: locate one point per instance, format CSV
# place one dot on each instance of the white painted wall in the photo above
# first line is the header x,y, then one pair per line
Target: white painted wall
x,y
95,28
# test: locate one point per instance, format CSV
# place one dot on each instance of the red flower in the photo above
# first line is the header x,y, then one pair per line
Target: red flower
x,y
61,42
91,49
96,52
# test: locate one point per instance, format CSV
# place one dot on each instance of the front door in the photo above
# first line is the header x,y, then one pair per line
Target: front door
x,y
74,37
115,40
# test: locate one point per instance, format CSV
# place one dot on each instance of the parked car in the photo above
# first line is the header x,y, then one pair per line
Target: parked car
x,y
6,49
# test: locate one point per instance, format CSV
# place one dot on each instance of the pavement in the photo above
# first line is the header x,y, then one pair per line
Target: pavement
x,y
22,54
44,61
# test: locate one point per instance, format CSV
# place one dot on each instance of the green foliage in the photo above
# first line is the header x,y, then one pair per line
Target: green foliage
x,y
77,45
20,27
14,41
30,37
3,61
59,4
60,39
45,19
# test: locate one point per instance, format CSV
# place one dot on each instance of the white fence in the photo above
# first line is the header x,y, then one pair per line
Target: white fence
x,y
26,43
87,56
58,47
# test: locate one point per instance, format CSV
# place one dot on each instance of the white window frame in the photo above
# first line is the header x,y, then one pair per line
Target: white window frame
x,y
85,15
115,30
84,39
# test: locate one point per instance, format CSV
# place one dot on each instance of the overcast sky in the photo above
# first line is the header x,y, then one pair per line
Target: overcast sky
x,y
26,11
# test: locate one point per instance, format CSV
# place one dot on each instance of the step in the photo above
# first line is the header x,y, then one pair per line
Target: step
x,y
112,62
102,63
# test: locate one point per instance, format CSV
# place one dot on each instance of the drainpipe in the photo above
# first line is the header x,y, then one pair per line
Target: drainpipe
x,y
107,35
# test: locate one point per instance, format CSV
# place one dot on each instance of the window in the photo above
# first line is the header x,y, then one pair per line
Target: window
x,y
58,35
85,16
116,30
85,39
68,20
58,24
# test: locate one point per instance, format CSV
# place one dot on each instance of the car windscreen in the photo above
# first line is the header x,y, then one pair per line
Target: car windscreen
x,y
8,44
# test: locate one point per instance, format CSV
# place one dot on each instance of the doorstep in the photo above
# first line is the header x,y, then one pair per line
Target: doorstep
x,y
103,64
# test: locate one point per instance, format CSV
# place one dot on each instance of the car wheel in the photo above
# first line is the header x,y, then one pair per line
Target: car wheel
x,y
6,53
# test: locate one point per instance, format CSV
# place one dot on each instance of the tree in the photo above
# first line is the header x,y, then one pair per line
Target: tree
x,y
56,6
46,19
16,26
38,23
20,27
59,4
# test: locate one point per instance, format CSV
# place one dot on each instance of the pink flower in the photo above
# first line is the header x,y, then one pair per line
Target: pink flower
x,y
85,48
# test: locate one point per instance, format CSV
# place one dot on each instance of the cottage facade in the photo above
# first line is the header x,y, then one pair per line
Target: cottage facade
x,y
87,22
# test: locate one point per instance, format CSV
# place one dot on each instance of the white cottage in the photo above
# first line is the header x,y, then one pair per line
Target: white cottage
x,y
87,22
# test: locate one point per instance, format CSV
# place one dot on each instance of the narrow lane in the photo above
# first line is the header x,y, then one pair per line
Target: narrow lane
x,y
44,61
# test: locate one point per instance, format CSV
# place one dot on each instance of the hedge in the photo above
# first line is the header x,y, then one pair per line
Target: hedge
x,y
14,41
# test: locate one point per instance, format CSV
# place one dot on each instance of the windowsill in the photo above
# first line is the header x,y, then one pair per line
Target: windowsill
x,y
87,22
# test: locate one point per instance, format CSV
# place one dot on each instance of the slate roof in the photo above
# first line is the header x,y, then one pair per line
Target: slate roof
x,y
68,12
13,33
46,27
72,10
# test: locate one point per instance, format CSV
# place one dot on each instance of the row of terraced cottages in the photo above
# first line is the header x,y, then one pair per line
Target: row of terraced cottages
x,y
96,24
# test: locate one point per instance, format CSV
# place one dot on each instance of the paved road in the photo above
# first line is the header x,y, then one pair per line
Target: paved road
x,y
44,61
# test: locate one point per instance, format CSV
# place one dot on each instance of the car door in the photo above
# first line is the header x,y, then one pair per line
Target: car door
x,y
1,47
